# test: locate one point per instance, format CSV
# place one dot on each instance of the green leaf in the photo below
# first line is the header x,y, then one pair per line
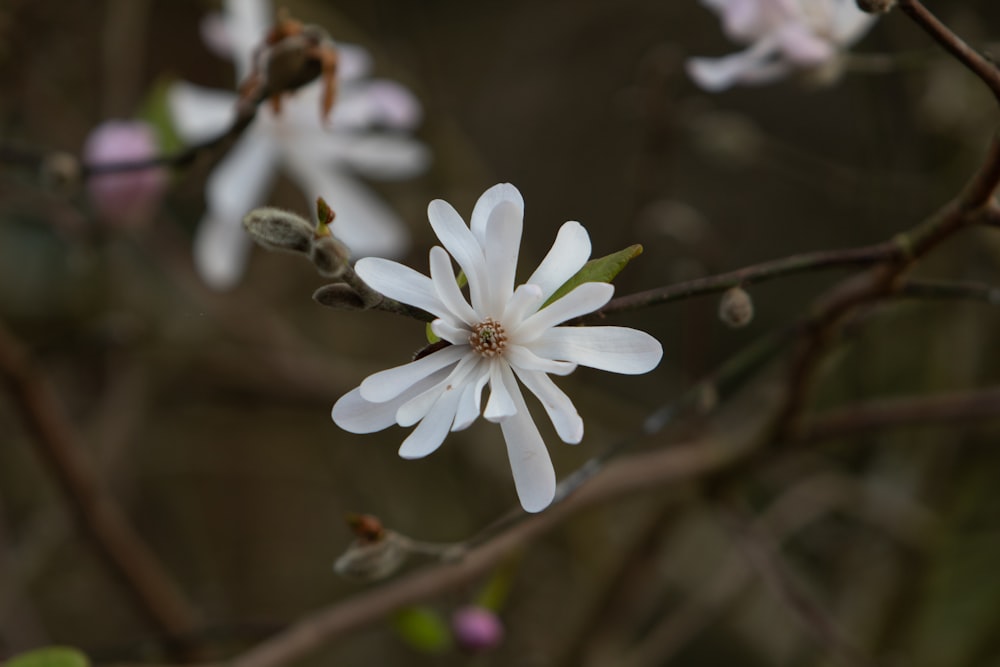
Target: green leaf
x,y
423,629
600,270
50,656
155,110
494,592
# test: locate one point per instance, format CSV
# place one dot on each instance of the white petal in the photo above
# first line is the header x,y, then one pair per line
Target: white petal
x,y
526,300
501,402
586,298
472,396
503,242
239,183
364,222
377,102
353,62
568,254
534,476
521,357
487,202
432,429
565,418
356,415
456,335
402,283
388,384
249,21
200,113
755,65
463,246
417,407
614,349
446,287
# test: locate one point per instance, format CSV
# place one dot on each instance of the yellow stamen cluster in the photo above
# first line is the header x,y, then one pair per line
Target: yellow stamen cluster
x,y
488,338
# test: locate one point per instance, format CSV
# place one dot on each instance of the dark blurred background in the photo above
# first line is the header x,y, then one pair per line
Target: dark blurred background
x,y
208,413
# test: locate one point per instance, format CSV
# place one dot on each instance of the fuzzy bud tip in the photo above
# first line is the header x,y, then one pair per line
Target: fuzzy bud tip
x,y
736,308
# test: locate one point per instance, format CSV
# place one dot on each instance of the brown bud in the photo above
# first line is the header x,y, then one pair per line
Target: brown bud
x,y
339,296
736,308
279,230
330,256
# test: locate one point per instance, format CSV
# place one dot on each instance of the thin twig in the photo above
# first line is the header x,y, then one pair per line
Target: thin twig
x,y
954,44
97,511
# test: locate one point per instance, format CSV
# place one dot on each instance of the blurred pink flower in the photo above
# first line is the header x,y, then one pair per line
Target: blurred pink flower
x,y
323,159
127,198
476,629
784,36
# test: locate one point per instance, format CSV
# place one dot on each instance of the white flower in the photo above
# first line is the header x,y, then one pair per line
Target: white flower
x,y
503,334
322,159
784,36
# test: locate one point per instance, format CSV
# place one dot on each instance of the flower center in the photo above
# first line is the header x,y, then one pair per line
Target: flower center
x,y
488,338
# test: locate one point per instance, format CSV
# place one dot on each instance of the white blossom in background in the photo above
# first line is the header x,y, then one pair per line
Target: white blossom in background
x,y
364,136
784,36
498,337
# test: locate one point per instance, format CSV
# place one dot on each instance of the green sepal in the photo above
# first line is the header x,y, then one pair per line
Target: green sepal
x,y
423,629
155,110
50,656
600,270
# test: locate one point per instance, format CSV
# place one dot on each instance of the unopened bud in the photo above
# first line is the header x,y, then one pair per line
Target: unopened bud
x,y
339,296
330,256
736,308
876,6
130,197
60,170
476,629
276,229
375,552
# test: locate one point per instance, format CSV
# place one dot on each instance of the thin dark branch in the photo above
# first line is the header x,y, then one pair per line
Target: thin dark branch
x,y
757,273
955,45
97,511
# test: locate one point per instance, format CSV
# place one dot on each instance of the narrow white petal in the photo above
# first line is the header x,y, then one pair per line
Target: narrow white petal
x,y
526,300
534,476
456,335
249,21
472,397
239,183
501,402
488,201
432,429
558,406
463,246
388,384
568,254
503,242
376,102
402,283
200,113
417,407
446,287
521,357
615,349
356,415
586,298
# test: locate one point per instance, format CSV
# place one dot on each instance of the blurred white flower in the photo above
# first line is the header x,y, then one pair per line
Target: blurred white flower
x,y
504,334
126,198
324,159
784,36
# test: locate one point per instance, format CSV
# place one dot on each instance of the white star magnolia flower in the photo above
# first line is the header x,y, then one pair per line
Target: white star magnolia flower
x,y
503,334
784,36
322,158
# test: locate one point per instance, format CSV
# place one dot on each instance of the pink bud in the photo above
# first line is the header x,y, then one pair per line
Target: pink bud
x,y
476,629
126,198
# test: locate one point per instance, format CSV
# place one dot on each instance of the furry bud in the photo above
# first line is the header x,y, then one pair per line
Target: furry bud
x,y
279,230
736,308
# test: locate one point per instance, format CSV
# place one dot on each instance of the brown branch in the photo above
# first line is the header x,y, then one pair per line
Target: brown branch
x,y
96,510
979,404
955,45
757,273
